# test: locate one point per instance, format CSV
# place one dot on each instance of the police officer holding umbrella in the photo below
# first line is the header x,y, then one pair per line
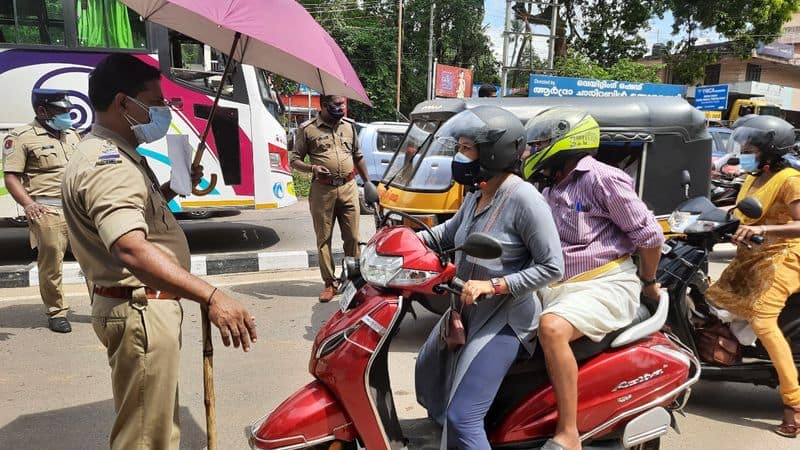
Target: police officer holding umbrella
x,y
34,158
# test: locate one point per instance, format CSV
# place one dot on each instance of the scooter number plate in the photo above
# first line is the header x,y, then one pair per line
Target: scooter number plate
x,y
347,296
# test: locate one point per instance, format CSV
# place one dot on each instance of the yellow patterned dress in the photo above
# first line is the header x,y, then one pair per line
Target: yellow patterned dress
x,y
761,278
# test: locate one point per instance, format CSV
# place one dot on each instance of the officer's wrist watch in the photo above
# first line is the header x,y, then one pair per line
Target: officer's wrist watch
x,y
647,282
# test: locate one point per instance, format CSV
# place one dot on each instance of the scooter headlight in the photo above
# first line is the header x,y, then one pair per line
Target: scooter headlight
x,y
378,269
702,226
678,221
388,270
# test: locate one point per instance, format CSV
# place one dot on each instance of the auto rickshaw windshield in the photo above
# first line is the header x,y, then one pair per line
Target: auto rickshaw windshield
x,y
421,161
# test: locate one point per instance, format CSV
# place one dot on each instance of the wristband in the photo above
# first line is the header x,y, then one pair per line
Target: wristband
x,y
211,297
646,283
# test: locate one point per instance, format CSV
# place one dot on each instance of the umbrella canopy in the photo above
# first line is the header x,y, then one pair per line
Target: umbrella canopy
x,y
277,35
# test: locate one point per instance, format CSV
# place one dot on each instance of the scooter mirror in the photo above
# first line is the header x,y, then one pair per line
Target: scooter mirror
x,y
482,245
750,207
686,178
733,161
370,193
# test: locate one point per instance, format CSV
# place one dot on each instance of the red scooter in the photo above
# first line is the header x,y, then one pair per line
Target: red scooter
x,y
629,383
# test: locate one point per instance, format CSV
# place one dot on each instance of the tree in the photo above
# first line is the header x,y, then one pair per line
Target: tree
x,y
608,30
581,66
367,33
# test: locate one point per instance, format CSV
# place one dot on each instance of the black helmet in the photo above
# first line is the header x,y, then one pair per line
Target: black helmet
x,y
497,133
773,136
50,97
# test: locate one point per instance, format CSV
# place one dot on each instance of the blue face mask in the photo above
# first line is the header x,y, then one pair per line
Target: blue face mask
x,y
465,171
160,118
60,122
748,162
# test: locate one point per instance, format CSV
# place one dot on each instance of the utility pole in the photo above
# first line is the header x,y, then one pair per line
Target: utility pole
x,y
399,48
430,53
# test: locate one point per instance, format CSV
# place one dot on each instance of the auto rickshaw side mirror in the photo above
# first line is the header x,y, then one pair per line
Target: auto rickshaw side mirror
x,y
370,193
733,161
750,207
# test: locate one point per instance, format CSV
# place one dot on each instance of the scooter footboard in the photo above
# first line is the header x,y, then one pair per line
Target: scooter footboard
x,y
311,416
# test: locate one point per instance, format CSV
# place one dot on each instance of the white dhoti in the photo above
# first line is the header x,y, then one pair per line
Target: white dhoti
x,y
598,305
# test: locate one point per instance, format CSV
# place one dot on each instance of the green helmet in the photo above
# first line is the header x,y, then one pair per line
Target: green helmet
x,y
559,133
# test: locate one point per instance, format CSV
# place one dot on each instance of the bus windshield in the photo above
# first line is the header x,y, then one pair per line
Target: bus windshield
x,y
769,111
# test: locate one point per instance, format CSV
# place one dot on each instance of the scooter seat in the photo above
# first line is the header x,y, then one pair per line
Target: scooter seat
x,y
527,375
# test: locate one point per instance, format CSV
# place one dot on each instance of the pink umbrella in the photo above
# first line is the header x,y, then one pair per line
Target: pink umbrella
x,y
277,35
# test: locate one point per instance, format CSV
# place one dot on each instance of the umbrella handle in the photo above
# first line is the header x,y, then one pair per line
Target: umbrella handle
x,y
212,183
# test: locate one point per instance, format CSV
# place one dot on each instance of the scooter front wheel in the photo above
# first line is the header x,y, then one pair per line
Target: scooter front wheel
x,y
336,445
655,444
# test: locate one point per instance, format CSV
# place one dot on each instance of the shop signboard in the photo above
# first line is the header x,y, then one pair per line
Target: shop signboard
x,y
551,86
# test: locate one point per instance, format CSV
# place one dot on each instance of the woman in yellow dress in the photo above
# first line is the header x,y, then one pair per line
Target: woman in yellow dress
x,y
757,283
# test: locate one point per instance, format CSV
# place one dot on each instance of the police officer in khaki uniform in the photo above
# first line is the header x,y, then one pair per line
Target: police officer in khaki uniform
x,y
135,255
34,157
331,143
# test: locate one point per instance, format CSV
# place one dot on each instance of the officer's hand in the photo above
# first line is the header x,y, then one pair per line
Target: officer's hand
x,y
197,174
35,211
233,321
320,171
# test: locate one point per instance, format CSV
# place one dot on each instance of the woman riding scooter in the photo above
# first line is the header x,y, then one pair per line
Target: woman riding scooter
x,y
758,281
487,142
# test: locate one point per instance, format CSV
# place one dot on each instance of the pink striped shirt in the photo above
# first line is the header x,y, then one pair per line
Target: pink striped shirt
x,y
599,217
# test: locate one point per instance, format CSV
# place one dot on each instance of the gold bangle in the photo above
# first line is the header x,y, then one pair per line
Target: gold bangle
x,y
763,230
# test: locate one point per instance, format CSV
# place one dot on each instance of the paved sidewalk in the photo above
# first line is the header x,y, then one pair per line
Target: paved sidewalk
x,y
252,241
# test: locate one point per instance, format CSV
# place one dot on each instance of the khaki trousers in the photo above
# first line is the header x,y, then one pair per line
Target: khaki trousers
x,y
143,342
328,204
49,234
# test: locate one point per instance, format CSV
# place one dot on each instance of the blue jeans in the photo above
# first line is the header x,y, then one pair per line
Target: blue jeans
x,y
475,393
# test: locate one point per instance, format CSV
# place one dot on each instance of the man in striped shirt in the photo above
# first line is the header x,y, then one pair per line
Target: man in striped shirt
x,y
601,222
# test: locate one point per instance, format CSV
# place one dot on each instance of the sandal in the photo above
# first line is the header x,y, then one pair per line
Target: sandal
x,y
789,429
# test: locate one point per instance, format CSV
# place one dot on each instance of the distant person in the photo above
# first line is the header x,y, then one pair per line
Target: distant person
x,y
759,280
34,157
487,90
135,255
331,143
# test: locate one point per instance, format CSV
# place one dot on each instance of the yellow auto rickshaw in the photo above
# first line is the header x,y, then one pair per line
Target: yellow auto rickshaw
x,y
653,139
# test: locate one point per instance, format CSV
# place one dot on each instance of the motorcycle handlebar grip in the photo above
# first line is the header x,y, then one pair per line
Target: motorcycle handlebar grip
x,y
457,283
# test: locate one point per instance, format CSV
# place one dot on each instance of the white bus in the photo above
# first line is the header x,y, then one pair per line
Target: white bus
x,y
56,43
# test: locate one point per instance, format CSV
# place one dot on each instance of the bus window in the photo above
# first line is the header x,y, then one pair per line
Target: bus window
x,y
32,22
198,65
267,93
109,24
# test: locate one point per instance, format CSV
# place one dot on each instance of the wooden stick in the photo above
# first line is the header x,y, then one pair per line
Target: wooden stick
x,y
208,380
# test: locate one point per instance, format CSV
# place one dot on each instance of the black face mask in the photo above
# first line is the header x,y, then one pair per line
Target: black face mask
x,y
465,173
336,112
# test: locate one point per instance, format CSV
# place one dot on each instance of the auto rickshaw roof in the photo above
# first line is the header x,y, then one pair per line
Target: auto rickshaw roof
x,y
620,118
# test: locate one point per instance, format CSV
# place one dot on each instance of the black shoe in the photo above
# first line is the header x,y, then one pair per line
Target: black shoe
x,y
59,325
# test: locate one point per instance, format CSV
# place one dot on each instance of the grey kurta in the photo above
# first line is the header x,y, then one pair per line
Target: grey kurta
x,y
531,259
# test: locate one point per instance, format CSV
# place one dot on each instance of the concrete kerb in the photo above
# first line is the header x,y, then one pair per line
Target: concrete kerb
x,y
202,265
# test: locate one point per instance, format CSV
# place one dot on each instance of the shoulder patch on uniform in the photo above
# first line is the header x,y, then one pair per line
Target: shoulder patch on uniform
x,y
107,157
8,146
307,123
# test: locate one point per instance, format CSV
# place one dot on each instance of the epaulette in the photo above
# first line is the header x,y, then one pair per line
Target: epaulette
x,y
20,130
307,123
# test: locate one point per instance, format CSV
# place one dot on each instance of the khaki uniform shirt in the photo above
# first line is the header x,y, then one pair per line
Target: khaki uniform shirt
x,y
109,191
39,157
333,147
